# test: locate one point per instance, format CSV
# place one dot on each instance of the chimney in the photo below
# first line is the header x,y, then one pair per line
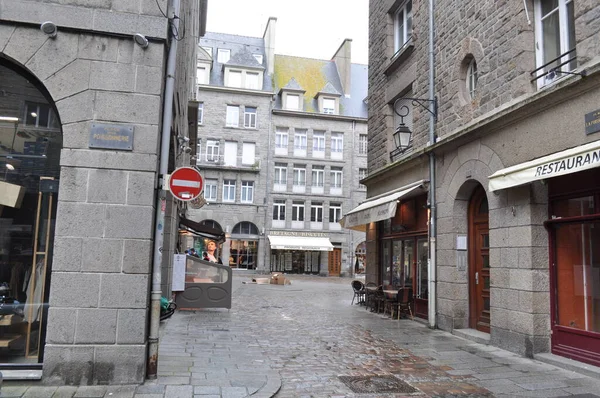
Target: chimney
x,y
343,61
269,39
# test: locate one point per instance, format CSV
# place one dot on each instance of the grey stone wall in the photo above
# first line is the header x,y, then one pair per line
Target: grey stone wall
x,y
100,278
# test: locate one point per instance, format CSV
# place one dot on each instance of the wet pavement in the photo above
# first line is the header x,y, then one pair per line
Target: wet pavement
x,y
307,340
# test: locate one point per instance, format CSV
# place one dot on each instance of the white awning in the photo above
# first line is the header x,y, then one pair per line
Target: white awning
x,y
300,243
560,163
379,208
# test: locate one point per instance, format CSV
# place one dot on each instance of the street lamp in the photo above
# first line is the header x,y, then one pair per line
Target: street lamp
x,y
403,135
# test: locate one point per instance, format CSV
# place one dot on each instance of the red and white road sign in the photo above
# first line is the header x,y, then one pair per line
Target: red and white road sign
x,y
186,183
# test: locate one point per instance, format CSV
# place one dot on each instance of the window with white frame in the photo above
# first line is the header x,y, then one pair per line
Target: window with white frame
x,y
279,210
210,190
297,211
336,177
555,37
252,80
300,139
362,174
250,117
300,176
280,174
362,144
402,25
247,194
281,138
234,78
258,57
208,50
292,102
223,55
228,190
329,106
40,115
337,142
212,150
201,75
200,113
335,212
316,212
233,116
318,176
472,78
319,141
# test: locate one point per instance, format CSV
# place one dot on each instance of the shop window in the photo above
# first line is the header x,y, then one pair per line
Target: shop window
x,y
245,228
40,115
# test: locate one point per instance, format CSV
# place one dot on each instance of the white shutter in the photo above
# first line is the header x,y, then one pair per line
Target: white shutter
x,y
230,155
248,153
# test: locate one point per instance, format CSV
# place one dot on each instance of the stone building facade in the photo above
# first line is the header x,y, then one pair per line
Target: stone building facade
x,y
69,91
242,99
511,99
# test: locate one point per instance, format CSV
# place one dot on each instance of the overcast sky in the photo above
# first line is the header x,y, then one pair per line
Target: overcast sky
x,y
307,28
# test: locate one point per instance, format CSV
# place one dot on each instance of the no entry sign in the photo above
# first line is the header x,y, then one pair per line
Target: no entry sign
x,y
185,183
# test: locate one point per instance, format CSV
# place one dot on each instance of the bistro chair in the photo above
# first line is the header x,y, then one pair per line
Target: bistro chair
x,y
378,299
388,301
359,292
403,303
369,294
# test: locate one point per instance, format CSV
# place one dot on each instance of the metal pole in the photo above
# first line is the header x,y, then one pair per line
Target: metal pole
x,y
167,119
432,307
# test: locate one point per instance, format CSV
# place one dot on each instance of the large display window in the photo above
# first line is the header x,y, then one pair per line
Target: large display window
x,y
30,144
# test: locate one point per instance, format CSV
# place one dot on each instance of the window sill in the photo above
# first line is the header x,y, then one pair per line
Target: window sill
x,y
398,58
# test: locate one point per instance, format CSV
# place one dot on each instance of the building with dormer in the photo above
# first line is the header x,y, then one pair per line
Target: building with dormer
x,y
282,144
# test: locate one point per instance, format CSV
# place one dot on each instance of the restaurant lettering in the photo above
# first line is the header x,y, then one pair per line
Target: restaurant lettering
x,y
573,162
305,234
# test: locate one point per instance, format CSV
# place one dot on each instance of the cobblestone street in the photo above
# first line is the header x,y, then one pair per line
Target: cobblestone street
x,y
297,340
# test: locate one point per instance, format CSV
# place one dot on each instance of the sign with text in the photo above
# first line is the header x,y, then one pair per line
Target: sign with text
x,y
111,136
592,122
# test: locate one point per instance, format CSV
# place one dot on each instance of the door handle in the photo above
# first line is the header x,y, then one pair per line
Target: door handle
x,y
477,278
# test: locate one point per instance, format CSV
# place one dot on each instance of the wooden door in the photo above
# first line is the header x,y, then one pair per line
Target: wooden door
x,y
479,262
335,262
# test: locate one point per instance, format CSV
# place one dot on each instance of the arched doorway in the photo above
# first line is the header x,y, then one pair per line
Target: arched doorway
x,y
243,252
30,145
479,261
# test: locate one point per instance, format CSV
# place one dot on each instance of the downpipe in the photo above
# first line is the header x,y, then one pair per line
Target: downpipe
x,y
161,201
432,264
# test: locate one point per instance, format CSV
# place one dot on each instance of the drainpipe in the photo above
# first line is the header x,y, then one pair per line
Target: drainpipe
x,y
167,119
266,257
432,265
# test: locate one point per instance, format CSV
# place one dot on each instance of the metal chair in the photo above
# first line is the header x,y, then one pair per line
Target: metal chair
x,y
369,294
359,292
378,299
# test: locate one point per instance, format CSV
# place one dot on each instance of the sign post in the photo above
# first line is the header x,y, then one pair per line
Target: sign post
x,y
186,183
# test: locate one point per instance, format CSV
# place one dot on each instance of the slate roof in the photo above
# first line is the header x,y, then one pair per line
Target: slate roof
x,y
314,76
293,85
329,89
241,50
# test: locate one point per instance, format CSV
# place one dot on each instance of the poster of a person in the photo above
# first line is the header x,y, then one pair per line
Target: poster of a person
x,y
209,254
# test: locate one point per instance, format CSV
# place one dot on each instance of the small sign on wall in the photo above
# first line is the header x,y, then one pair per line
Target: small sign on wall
x,y
111,136
592,122
461,253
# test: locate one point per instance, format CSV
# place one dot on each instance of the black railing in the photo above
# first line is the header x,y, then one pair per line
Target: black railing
x,y
556,70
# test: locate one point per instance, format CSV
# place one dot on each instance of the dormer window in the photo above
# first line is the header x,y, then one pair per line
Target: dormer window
x,y
292,102
235,78
208,50
259,58
223,55
252,80
241,78
329,106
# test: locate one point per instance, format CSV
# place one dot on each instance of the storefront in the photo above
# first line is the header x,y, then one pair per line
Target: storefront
x,y
243,246
401,219
573,225
30,144
300,252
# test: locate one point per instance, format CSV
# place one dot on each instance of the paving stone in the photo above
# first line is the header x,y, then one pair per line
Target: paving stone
x,y
90,392
64,392
39,392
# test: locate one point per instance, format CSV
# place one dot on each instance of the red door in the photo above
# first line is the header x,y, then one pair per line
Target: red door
x,y
479,262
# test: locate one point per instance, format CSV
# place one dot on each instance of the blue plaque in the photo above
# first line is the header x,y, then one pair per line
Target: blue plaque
x,y
111,136
592,122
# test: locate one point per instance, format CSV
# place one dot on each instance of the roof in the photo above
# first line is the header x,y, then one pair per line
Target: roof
x,y
293,85
241,50
316,75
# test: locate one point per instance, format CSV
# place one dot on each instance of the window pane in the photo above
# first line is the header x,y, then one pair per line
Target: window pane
x,y
551,39
548,6
235,79
571,35
233,116
292,102
573,207
252,81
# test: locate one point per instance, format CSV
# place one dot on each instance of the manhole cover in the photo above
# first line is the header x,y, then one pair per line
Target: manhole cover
x,y
377,384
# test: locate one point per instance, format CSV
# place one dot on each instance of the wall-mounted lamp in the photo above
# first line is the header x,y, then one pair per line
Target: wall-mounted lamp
x,y
403,135
140,40
49,28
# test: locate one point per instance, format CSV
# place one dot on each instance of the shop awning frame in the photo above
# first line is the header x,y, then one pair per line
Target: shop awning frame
x,y
306,243
201,230
569,161
380,207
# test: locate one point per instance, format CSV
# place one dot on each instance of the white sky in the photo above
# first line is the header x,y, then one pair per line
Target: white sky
x,y
305,28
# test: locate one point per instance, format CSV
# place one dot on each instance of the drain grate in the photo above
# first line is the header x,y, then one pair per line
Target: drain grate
x,y
377,384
